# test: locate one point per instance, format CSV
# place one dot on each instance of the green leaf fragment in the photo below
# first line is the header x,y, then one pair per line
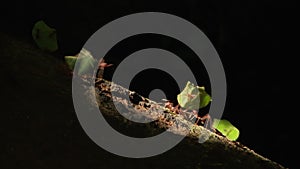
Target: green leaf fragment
x,y
193,97
86,62
44,36
227,129
71,60
84,59
205,98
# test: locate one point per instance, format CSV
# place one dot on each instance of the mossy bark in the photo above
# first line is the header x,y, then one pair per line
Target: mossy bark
x,y
41,129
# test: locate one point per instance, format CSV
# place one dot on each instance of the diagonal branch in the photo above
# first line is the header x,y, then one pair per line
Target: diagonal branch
x,y
236,154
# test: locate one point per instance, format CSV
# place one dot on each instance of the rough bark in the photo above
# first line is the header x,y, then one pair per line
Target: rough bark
x,y
42,131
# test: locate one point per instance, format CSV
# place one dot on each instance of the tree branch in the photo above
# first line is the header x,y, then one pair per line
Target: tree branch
x,y
224,153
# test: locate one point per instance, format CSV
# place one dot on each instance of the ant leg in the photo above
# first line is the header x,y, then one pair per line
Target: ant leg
x,y
197,116
208,122
197,121
177,109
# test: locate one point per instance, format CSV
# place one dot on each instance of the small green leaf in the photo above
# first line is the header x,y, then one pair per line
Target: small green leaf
x,y
44,36
205,98
193,97
227,129
71,60
85,61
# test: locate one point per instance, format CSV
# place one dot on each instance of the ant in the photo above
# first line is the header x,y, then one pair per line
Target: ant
x,y
203,120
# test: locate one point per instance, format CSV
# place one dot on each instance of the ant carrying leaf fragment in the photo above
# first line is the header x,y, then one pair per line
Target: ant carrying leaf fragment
x,y
44,36
193,98
86,62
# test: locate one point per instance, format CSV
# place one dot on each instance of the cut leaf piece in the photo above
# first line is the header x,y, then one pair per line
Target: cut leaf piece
x,y
44,36
86,62
193,97
71,60
205,98
227,129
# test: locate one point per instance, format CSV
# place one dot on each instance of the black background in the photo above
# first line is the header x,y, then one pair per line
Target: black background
x,y
256,41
